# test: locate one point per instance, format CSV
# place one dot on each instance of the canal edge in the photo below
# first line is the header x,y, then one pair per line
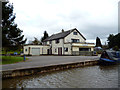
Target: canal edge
x,y
50,68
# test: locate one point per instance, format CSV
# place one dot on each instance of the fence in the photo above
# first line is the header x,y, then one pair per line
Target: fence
x,y
82,53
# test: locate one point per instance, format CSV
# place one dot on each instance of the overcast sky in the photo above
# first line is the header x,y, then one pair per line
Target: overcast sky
x,y
93,18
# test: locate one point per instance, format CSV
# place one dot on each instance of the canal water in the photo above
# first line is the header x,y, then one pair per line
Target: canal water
x,y
83,77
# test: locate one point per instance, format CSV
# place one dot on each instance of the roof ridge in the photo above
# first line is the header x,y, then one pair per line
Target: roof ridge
x,y
61,35
61,32
64,31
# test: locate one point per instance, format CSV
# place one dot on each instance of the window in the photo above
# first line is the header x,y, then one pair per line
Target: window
x,y
74,33
57,41
55,50
75,40
26,50
84,49
45,43
66,49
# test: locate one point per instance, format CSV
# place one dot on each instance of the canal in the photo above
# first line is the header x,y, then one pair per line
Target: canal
x,y
84,77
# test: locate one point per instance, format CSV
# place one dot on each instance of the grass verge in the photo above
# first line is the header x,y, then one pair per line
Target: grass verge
x,y
9,52
11,59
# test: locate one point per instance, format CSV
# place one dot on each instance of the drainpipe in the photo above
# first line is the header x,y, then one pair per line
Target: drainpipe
x,y
51,49
42,50
71,48
29,51
63,46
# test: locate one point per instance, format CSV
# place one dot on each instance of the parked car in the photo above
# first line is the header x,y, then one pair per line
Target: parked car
x,y
15,53
98,48
95,53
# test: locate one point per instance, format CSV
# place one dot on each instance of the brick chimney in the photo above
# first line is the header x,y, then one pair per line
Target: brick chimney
x,y
62,30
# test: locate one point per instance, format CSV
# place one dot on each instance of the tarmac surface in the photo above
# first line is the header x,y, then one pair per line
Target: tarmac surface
x,y
41,61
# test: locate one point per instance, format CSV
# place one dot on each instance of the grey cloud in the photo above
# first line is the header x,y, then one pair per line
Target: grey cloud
x,y
89,26
73,16
98,31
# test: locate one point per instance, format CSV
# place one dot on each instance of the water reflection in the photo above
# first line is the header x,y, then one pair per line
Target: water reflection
x,y
84,77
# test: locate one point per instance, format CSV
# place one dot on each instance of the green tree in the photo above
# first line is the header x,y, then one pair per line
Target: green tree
x,y
12,37
111,40
98,42
117,40
114,41
116,48
36,41
45,36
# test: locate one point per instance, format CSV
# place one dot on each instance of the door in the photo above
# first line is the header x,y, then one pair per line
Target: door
x,y
59,51
35,51
49,51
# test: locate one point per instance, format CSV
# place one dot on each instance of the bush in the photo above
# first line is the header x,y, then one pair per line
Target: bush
x,y
116,48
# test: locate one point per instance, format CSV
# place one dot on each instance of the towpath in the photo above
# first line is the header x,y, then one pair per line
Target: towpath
x,y
41,61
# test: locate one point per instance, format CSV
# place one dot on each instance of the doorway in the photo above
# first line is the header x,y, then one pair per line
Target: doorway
x,y
60,51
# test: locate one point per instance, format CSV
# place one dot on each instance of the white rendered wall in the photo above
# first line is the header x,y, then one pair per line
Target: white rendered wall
x,y
43,49
71,36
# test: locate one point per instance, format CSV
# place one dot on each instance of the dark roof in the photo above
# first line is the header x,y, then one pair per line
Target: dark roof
x,y
62,35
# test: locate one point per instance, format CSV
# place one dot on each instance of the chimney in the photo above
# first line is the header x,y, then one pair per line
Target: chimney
x,y
62,30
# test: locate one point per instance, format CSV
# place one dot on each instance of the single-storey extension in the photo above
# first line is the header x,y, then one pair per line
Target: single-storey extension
x,y
35,49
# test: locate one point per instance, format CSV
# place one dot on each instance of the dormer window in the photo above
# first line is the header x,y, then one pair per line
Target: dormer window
x,y
74,33
57,41
50,42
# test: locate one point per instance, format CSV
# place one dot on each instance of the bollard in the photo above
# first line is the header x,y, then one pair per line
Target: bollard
x,y
24,57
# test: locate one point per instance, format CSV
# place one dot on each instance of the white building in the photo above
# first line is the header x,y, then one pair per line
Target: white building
x,y
35,49
63,43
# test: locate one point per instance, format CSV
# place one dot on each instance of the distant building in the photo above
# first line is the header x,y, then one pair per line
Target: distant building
x,y
63,43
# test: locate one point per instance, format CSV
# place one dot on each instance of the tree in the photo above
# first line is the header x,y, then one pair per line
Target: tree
x,y
111,40
114,41
12,37
36,41
98,42
117,40
116,48
45,36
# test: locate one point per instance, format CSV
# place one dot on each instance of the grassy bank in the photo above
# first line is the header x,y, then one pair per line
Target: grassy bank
x,y
9,52
11,59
